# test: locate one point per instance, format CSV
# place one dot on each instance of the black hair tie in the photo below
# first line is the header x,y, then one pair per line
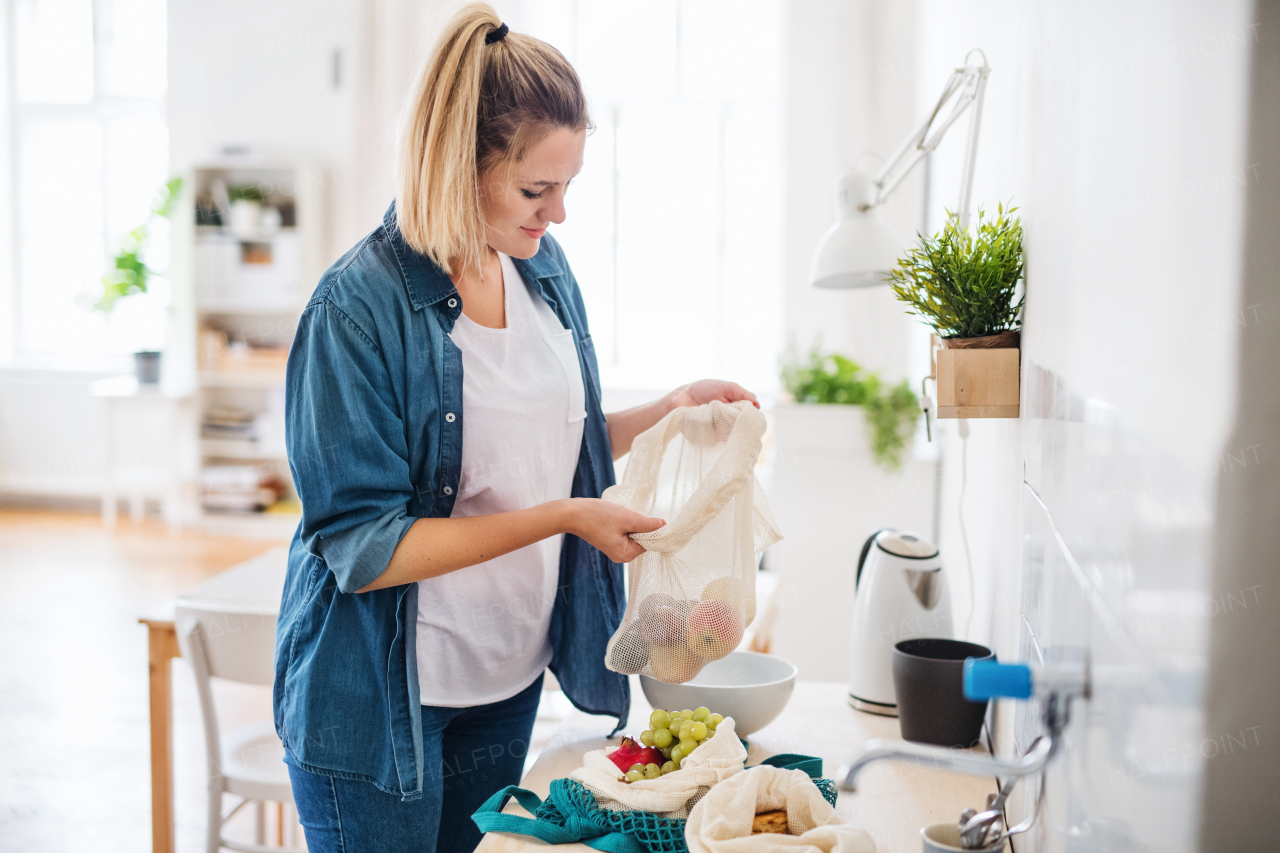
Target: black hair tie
x,y
497,34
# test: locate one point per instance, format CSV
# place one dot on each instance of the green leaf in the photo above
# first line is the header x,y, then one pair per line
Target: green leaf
x,y
963,283
128,273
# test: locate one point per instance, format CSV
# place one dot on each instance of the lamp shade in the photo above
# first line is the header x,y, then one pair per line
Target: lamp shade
x,y
859,250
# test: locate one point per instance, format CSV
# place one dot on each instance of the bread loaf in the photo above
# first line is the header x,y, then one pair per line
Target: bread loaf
x,y
774,821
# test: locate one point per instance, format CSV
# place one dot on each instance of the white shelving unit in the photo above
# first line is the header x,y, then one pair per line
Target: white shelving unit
x,y
254,255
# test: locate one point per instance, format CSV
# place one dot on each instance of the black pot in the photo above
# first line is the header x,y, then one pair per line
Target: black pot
x,y
928,678
146,367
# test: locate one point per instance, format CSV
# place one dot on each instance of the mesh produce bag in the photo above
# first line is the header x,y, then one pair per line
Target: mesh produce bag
x,y
671,796
721,821
692,593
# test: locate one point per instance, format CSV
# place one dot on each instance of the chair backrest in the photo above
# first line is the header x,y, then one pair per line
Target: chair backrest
x,y
235,644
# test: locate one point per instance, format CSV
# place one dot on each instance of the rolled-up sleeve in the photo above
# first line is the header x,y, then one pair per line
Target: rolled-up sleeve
x,y
347,446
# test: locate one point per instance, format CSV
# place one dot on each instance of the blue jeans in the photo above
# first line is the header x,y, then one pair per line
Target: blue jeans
x,y
470,754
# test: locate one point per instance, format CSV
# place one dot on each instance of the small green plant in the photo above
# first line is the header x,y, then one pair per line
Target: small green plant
x,y
963,283
891,410
128,272
245,192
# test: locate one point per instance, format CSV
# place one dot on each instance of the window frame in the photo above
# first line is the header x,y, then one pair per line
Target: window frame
x,y
101,109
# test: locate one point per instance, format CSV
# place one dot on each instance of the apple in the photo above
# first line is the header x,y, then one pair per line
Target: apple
x,y
664,626
650,603
714,629
730,590
674,664
629,653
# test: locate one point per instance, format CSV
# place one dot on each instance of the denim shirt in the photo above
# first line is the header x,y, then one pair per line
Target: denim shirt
x,y
374,433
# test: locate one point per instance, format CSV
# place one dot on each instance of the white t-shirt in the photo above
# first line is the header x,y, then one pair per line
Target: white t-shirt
x,y
482,630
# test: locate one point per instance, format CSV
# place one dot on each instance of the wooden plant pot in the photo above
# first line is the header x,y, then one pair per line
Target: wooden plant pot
x,y
978,377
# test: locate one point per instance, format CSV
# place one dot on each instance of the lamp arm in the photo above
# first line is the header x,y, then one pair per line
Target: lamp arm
x,y
880,185
970,81
971,150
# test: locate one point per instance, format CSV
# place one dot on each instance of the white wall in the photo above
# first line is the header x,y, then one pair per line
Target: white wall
x,y
1119,131
850,83
851,77
50,435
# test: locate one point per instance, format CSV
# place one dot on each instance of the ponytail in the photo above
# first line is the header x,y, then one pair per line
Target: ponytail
x,y
474,106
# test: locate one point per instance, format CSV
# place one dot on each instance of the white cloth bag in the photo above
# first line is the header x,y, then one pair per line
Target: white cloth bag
x,y
721,821
719,757
691,594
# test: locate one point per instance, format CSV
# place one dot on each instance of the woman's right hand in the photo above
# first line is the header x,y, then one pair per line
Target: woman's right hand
x,y
607,526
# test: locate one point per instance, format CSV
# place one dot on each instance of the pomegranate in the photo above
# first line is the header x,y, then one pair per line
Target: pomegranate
x,y
632,752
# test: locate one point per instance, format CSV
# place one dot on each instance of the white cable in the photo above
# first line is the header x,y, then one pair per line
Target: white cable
x,y
964,535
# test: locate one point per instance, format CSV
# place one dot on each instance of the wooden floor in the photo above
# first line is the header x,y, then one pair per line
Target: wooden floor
x,y
74,765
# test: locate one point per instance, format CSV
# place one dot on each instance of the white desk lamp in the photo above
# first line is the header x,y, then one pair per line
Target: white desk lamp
x,y
859,250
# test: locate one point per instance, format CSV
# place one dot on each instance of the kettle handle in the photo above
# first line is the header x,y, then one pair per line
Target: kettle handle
x,y
866,549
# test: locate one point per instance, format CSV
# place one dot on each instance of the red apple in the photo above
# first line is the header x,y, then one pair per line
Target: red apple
x,y
714,629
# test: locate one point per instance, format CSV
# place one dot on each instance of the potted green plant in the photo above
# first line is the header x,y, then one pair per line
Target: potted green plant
x,y
128,274
964,284
833,379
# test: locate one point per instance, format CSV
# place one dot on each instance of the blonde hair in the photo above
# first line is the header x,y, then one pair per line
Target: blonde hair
x,y
474,106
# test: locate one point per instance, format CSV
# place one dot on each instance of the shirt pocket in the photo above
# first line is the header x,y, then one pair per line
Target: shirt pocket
x,y
565,350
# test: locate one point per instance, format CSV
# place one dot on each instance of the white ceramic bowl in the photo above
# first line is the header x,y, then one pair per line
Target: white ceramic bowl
x,y
748,686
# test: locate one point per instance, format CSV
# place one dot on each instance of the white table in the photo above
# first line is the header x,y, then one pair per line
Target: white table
x,y
165,406
892,803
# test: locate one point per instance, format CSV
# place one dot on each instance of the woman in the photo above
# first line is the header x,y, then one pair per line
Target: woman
x,y
446,438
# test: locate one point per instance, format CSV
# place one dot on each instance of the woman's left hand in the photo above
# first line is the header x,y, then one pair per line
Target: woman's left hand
x,y
709,390
625,426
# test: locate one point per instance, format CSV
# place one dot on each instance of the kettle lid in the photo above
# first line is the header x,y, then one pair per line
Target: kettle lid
x,y
904,543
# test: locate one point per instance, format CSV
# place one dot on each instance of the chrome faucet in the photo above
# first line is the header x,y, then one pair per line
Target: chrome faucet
x,y
1055,715
950,759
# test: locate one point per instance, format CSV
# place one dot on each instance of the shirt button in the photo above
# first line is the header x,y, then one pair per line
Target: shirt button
x,y
452,303
450,417
448,490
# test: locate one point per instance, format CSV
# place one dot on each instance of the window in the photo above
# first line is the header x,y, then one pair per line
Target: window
x,y
674,225
90,148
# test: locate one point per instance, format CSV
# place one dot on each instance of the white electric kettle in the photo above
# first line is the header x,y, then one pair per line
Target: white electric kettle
x,y
900,594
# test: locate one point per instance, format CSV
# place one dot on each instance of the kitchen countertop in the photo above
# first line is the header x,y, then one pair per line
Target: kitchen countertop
x,y
893,801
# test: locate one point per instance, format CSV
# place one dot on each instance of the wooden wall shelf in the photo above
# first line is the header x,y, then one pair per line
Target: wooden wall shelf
x,y
977,383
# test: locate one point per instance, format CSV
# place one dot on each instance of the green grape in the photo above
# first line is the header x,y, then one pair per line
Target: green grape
x,y
677,753
659,720
676,760
637,766
652,771
688,745
701,714
646,737
668,767
698,731
662,737
686,714
713,721
634,775
666,751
